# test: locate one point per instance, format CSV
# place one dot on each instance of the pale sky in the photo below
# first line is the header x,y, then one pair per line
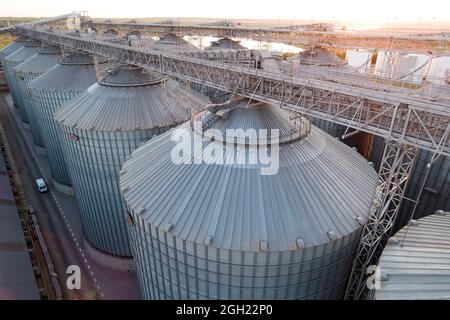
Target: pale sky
x,y
357,10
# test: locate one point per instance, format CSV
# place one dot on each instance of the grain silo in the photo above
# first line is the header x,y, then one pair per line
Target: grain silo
x,y
205,230
26,72
9,49
12,61
99,129
436,188
61,83
319,57
415,264
171,41
225,44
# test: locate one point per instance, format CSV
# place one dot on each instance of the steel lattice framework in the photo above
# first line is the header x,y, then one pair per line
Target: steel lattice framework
x,y
407,120
437,43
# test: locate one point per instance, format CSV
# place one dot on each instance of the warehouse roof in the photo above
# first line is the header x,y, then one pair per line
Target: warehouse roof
x,y
17,279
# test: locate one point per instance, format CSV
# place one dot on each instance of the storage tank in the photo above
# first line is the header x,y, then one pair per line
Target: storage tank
x,y
360,60
13,60
224,44
171,41
61,83
26,72
439,72
409,67
205,230
415,264
99,129
6,51
10,48
318,57
436,193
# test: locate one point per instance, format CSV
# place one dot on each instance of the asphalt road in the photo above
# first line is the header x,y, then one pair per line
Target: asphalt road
x,y
63,251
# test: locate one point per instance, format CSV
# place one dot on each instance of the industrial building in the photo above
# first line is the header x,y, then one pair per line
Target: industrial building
x,y
203,229
100,128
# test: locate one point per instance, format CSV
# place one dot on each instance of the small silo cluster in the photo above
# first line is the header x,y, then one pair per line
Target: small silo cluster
x,y
11,62
27,71
98,130
202,229
61,83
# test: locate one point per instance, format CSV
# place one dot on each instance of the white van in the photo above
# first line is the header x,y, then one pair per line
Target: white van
x,y
42,187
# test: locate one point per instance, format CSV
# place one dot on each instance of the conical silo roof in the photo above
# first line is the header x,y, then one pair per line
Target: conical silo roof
x,y
27,71
40,62
12,47
118,113
29,49
231,232
319,56
74,73
224,44
321,192
170,40
129,99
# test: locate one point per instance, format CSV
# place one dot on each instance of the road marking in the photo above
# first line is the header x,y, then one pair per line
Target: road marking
x,y
61,211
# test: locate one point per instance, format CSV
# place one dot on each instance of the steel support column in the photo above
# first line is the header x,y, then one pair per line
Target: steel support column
x,y
392,179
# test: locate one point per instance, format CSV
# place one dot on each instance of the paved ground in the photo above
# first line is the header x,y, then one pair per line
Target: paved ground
x,y
60,222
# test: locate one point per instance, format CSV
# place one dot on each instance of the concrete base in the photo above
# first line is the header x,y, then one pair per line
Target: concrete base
x,y
25,125
63,188
40,150
108,260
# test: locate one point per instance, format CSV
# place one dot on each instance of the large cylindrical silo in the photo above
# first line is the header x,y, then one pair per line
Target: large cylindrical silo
x,y
99,129
6,51
221,229
60,84
26,72
13,60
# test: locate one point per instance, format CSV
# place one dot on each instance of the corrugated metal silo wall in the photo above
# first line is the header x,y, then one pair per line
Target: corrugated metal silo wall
x,y
436,193
171,268
94,160
10,49
9,67
23,79
44,104
334,130
11,62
